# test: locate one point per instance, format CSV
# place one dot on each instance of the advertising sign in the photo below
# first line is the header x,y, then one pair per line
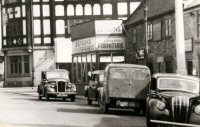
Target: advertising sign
x,y
83,45
110,43
108,27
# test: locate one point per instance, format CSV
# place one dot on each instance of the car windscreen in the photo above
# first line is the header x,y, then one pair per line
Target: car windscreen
x,y
119,73
178,84
63,75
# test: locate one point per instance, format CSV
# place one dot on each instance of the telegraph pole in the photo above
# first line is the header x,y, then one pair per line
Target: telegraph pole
x,y
180,41
146,31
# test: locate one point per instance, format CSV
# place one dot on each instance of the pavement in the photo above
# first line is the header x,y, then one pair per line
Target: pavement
x,y
29,91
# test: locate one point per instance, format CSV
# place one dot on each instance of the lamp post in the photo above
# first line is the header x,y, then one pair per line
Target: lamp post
x,y
146,31
180,43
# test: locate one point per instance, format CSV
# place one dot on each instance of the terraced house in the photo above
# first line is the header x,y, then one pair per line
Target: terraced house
x,y
161,36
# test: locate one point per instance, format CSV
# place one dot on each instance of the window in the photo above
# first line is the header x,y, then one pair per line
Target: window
x,y
157,31
189,67
79,9
45,9
107,9
133,6
88,9
37,27
70,10
59,10
60,27
96,9
169,67
46,25
17,12
26,64
36,10
150,32
168,27
121,11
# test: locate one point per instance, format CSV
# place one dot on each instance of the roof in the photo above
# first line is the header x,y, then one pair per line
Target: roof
x,y
174,75
127,65
193,4
55,70
155,8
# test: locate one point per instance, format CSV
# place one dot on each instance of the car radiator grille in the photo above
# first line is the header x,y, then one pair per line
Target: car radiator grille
x,y
180,107
61,87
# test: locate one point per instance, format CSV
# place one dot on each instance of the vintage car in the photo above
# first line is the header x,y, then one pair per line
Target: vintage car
x,y
95,82
56,84
173,100
124,86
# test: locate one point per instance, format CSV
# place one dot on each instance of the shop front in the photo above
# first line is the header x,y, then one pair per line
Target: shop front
x,y
94,53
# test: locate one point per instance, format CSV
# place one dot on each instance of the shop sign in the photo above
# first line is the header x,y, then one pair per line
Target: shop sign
x,y
83,45
110,43
108,27
160,59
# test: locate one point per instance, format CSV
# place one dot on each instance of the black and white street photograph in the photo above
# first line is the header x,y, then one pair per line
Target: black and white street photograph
x,y
99,63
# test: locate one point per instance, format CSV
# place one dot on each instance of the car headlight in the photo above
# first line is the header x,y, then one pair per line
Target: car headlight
x,y
197,109
52,85
73,88
161,106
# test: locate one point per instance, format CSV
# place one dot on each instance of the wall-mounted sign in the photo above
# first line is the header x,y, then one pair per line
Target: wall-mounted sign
x,y
108,27
110,43
160,59
83,45
188,45
105,43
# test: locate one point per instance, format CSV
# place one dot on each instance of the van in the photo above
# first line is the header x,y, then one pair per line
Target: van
x,y
124,86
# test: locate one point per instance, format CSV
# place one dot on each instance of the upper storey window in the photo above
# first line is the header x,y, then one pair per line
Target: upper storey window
x,y
107,9
79,9
88,9
36,10
133,6
70,10
121,11
96,9
59,10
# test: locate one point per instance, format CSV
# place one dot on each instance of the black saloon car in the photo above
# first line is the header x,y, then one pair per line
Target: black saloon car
x,y
174,100
56,84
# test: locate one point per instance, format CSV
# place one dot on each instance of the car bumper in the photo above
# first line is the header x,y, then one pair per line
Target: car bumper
x,y
61,94
174,123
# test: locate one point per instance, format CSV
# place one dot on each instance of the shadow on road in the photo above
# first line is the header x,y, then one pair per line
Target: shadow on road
x,y
42,125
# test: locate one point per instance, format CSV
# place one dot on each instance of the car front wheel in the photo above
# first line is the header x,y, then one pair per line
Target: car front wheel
x,y
72,98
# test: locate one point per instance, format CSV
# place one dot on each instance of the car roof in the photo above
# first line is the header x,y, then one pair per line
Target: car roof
x,y
98,72
174,75
55,70
126,65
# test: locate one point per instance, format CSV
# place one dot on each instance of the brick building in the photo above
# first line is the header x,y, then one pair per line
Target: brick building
x,y
161,35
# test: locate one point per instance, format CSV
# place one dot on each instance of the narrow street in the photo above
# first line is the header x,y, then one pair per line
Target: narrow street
x,y
18,110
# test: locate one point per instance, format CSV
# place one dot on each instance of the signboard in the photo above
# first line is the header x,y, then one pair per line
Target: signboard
x,y
105,43
160,59
108,27
83,45
11,1
188,45
110,43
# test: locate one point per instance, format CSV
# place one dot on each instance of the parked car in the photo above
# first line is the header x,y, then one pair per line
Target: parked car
x,y
124,86
92,90
56,84
174,100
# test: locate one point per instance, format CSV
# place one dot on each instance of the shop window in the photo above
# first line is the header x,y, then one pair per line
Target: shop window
x,y
107,9
36,10
46,26
45,10
150,32
37,40
70,10
45,0
10,12
59,10
24,41
96,9
15,65
121,11
47,40
37,27
133,6
189,67
60,27
157,31
168,27
88,9
36,1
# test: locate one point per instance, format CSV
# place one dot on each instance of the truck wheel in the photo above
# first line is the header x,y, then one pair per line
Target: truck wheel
x,y
89,101
72,98
46,97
